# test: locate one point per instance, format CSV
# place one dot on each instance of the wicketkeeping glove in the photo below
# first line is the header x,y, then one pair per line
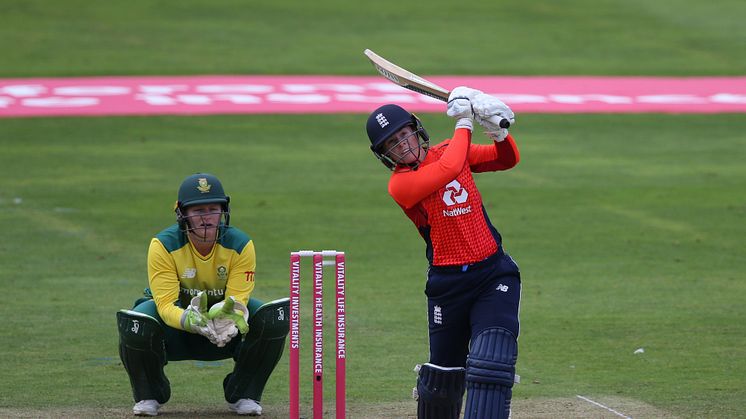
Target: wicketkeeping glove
x,y
195,319
225,331
228,317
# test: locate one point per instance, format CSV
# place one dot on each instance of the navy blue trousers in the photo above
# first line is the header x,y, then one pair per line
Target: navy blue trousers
x,y
464,300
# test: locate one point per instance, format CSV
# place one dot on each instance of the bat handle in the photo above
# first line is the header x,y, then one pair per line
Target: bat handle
x,y
501,122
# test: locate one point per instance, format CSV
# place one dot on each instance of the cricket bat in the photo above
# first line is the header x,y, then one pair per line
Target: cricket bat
x,y
406,79
411,81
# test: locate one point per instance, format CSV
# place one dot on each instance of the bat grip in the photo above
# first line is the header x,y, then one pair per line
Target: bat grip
x,y
503,123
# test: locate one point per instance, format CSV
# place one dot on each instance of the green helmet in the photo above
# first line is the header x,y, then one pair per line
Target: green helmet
x,y
201,188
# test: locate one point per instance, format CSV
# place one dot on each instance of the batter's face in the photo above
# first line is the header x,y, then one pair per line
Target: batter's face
x,y
404,147
203,221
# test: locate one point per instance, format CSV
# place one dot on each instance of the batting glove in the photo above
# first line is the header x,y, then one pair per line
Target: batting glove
x,y
486,106
489,112
460,106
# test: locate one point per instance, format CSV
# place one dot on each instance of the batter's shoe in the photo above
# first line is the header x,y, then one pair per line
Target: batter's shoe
x,y
246,407
146,408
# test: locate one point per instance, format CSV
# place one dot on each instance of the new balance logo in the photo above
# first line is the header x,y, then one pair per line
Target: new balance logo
x,y
382,121
503,288
189,273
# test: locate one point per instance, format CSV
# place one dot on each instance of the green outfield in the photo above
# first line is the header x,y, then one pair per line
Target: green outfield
x,y
629,229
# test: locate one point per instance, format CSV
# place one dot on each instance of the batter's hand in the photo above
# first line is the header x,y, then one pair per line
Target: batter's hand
x,y
459,102
489,111
460,107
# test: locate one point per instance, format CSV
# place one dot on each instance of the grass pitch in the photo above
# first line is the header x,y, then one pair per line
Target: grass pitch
x,y
628,228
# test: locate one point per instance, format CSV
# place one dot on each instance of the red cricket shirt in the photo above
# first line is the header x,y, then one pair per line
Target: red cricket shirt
x,y
443,202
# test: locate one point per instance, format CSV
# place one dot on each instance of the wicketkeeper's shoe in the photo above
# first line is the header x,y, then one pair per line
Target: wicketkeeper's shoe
x,y
246,407
146,408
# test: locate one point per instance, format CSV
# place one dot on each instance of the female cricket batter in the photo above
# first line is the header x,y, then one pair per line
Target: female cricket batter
x,y
198,262
473,287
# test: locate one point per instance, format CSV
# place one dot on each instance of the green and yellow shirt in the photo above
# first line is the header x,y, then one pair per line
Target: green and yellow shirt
x,y
177,272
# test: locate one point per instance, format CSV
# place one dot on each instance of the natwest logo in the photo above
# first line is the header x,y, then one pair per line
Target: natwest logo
x,y
457,211
455,194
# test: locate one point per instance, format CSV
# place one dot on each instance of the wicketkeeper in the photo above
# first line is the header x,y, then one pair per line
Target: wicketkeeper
x,y
473,287
197,306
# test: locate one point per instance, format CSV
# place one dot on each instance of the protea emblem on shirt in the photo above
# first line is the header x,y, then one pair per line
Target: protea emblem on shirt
x,y
222,273
203,186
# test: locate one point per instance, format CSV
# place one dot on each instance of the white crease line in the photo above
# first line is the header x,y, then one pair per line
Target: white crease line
x,y
605,407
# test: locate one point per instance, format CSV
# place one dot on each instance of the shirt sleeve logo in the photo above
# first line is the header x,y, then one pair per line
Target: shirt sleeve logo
x,y
455,194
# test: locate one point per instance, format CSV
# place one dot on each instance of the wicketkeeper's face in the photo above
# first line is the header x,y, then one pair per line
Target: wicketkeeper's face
x,y
203,221
404,147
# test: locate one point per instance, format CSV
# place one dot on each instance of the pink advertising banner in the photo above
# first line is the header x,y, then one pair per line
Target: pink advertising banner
x,y
194,95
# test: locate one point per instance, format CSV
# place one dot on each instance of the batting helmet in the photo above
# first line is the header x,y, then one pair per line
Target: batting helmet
x,y
201,188
385,122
